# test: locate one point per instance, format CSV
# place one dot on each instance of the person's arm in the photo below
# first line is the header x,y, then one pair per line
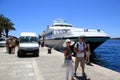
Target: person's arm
x,y
76,50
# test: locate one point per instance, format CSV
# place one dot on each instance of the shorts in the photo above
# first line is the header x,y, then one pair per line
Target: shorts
x,y
79,60
88,53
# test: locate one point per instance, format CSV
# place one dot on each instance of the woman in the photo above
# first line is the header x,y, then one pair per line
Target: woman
x,y
68,56
88,53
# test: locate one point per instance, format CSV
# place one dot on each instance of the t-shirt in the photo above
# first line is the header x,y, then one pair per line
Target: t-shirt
x,y
69,51
81,47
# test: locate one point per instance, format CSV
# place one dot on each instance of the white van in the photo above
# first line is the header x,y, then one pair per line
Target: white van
x,y
2,41
28,43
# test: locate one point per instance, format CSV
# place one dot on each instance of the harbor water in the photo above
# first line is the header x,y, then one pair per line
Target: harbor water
x,y
108,55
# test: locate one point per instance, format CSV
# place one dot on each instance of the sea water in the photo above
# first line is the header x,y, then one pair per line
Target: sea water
x,y
108,55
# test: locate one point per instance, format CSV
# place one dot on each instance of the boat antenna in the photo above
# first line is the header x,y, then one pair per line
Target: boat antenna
x,y
59,20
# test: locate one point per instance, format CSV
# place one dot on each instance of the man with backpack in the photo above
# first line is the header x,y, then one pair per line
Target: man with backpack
x,y
79,48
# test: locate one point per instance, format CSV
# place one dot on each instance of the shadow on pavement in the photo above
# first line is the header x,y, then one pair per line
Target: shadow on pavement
x,y
27,56
82,77
89,64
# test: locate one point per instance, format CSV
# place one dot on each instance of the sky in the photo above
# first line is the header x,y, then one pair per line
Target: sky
x,y
36,15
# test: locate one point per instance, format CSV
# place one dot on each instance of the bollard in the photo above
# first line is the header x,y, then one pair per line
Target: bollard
x,y
49,50
42,45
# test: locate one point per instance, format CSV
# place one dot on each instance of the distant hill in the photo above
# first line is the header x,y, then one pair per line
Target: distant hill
x,y
118,38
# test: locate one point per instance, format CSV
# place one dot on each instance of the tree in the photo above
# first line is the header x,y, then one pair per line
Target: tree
x,y
5,25
8,26
1,24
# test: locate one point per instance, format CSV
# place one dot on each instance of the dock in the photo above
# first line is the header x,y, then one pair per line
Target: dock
x,y
46,67
51,68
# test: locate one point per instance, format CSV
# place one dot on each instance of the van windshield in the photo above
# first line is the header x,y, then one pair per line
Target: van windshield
x,y
2,39
28,39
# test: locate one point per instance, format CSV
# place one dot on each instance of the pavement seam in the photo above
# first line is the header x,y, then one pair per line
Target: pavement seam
x,y
38,74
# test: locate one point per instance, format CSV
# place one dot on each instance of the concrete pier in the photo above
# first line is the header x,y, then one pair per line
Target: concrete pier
x,y
46,67
52,70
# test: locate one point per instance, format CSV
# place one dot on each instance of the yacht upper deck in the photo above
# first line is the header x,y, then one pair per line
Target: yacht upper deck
x,y
60,23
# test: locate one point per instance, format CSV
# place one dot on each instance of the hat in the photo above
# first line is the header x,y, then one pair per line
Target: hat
x,y
68,40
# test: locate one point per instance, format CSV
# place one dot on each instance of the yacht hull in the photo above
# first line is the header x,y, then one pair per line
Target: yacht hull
x,y
58,42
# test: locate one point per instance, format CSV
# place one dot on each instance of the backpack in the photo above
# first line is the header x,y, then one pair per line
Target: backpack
x,y
72,48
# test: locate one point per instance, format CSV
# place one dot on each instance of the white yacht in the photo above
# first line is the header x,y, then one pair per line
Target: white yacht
x,y
59,31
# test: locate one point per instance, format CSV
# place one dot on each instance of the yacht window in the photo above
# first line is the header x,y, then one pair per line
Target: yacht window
x,y
61,31
49,34
85,30
66,30
98,30
63,25
54,32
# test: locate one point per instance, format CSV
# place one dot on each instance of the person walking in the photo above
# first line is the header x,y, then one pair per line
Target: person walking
x,y
79,48
12,45
68,57
7,45
88,53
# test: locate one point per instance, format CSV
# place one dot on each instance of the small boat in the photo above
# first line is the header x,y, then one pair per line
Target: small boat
x,y
60,30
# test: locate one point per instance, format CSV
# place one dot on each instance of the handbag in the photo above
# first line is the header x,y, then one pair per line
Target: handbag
x,y
66,63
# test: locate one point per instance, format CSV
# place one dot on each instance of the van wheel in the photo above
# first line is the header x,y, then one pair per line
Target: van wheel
x,y
18,54
36,53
